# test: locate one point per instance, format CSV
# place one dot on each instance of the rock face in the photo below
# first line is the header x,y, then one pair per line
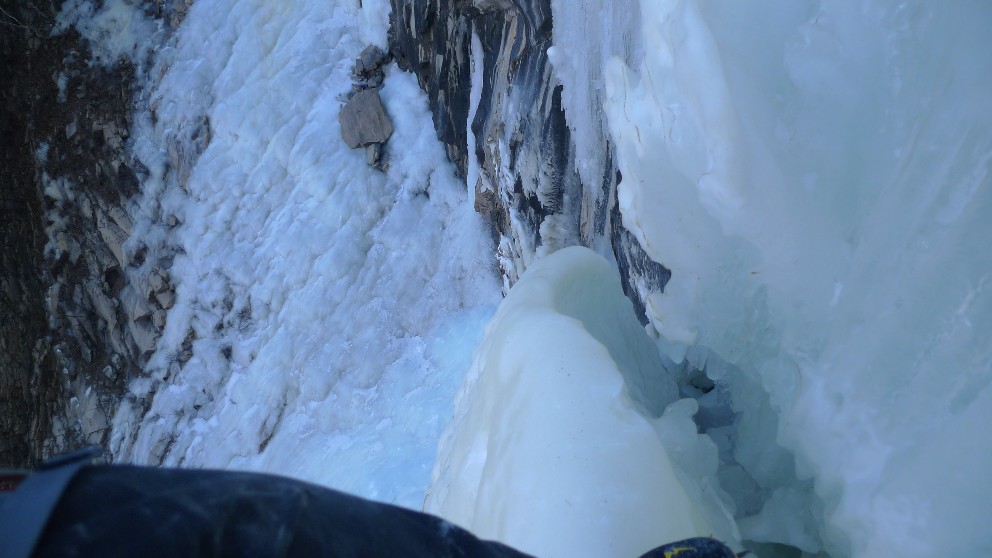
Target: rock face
x,y
519,155
73,333
25,384
62,240
368,66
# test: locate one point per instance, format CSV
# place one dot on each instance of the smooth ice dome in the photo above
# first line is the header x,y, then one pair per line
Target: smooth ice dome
x,y
552,448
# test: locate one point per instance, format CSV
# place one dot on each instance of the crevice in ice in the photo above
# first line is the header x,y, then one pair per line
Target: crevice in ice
x,y
755,470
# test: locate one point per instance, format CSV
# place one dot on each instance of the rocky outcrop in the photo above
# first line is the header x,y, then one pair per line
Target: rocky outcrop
x,y
368,70
59,273
71,335
363,118
517,150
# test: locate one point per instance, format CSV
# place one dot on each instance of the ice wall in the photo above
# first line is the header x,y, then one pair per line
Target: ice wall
x,y
552,448
816,176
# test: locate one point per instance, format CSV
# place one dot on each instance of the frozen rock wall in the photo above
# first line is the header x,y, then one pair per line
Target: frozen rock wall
x,y
73,332
89,306
25,387
498,110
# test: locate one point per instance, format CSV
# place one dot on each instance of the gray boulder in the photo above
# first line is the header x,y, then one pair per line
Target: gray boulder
x,y
364,120
369,62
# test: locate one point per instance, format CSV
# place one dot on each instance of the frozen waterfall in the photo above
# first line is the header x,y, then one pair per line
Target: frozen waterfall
x,y
816,176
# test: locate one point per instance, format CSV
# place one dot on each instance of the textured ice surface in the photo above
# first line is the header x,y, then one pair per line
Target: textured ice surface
x,y
552,449
817,177
331,308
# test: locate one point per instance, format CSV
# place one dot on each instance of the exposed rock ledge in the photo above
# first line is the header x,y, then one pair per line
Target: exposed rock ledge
x,y
72,334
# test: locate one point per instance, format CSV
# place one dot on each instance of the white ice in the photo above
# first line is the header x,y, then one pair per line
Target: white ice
x,y
552,449
817,177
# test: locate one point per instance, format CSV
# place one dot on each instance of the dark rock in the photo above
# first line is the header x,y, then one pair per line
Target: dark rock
x,y
186,350
71,313
145,337
166,299
121,219
158,281
364,120
63,167
158,319
184,147
640,275
525,155
113,237
431,39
